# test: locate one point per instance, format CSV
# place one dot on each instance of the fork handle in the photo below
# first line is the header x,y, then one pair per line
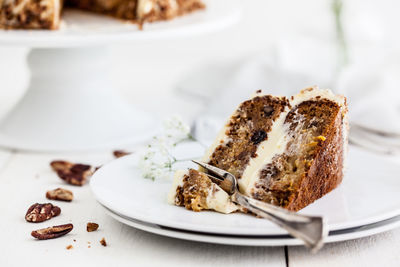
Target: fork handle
x,y
310,229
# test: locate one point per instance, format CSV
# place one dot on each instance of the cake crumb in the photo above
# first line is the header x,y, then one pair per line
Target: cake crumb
x,y
103,242
69,247
91,227
89,246
74,240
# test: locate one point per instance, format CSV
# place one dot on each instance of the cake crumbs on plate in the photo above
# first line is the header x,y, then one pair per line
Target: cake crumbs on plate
x,y
70,247
103,242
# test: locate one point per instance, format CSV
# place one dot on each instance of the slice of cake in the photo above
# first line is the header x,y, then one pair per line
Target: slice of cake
x,y
45,14
293,162
195,191
30,14
286,152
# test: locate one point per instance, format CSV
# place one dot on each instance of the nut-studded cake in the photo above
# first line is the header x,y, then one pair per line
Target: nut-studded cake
x,y
30,14
287,152
45,14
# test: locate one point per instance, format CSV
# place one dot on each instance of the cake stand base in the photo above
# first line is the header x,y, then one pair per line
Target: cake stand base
x,y
70,105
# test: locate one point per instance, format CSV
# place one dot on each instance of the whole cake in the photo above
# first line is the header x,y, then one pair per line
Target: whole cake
x,y
286,152
46,14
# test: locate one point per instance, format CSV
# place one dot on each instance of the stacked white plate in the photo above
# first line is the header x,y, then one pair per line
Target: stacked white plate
x,y
366,203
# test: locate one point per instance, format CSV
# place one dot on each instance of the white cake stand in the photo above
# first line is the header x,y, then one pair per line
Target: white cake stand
x,y
70,103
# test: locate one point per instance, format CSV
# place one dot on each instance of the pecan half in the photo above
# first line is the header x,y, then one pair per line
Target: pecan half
x,y
75,174
120,153
52,232
91,227
41,212
60,194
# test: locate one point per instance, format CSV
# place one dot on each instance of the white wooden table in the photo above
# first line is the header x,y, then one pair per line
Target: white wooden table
x,y
25,177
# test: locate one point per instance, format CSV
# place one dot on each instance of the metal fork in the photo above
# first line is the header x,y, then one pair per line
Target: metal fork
x,y
374,140
310,229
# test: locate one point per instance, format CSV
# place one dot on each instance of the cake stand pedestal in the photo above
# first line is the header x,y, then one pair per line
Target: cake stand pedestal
x,y
70,103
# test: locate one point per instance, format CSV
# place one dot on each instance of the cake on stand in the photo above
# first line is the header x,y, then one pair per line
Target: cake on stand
x,y
70,103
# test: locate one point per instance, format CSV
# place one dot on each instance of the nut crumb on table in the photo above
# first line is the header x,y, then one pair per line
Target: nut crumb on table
x,y
91,227
120,153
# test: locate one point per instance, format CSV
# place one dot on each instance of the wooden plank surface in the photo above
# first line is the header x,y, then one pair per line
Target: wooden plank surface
x,y
379,250
5,156
25,179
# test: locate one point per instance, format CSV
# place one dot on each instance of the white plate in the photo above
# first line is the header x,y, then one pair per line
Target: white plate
x,y
85,28
335,236
368,194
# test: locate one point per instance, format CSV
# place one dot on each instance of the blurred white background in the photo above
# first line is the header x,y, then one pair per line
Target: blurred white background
x,y
299,34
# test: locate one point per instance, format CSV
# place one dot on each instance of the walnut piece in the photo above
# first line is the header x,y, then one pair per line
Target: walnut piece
x,y
75,174
52,232
103,242
41,212
120,153
91,227
60,194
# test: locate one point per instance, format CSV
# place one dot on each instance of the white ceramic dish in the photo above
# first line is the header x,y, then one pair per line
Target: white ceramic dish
x,y
335,236
368,194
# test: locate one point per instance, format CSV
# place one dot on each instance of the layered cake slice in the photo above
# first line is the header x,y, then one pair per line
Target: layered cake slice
x,y
298,160
195,191
286,152
45,14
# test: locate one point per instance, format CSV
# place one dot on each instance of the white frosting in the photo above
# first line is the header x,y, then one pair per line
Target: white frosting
x,y
219,200
266,150
144,7
178,181
56,12
313,92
